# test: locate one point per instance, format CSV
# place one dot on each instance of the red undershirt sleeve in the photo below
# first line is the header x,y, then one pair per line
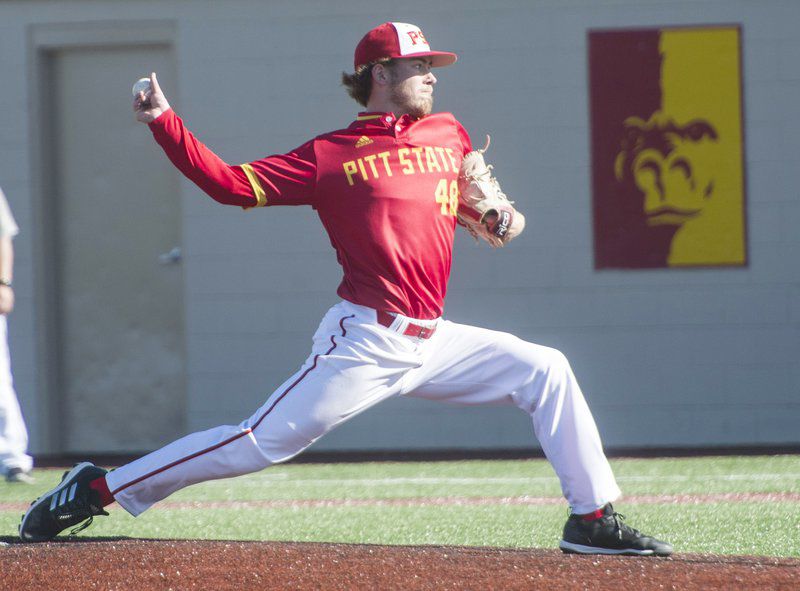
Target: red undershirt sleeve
x,y
284,179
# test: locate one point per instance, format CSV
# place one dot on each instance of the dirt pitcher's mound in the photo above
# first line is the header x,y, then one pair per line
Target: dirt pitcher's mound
x,y
124,564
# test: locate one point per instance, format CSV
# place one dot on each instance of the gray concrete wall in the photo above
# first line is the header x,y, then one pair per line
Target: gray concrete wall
x,y
666,357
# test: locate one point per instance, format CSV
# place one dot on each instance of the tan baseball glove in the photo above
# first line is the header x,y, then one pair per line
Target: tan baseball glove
x,y
483,208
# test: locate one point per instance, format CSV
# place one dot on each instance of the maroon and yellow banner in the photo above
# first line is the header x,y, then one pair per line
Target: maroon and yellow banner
x,y
667,147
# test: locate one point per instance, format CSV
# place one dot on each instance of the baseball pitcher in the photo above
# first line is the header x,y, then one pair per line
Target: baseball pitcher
x,y
390,189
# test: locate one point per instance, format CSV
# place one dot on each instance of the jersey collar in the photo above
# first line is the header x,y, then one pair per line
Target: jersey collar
x,y
372,119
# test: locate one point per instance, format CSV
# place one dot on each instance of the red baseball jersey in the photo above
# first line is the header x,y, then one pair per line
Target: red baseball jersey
x,y
385,188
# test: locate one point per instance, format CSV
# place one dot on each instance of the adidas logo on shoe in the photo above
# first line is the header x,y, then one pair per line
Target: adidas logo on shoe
x,y
72,503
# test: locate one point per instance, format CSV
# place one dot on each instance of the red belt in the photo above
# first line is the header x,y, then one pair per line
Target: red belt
x,y
412,330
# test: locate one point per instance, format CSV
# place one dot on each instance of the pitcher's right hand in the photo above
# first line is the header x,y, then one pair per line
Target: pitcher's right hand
x,y
148,107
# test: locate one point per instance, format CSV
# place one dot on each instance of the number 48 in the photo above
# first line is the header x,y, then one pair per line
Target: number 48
x,y
447,196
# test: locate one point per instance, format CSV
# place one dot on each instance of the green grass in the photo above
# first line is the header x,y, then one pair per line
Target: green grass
x,y
760,528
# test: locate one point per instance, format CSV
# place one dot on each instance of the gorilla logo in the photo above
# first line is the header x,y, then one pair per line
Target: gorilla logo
x,y
672,165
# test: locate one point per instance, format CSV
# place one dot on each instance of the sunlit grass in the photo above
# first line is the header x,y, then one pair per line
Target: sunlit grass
x,y
762,528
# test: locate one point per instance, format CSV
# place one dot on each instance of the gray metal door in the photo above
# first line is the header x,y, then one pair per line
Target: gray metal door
x,y
121,358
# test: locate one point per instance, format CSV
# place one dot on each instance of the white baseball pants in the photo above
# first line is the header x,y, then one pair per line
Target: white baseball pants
x,y
13,434
356,363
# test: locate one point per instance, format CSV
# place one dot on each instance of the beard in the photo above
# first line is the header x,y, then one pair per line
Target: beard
x,y
415,106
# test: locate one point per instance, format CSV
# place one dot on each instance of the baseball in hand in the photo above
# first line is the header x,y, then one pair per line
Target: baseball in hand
x,y
142,85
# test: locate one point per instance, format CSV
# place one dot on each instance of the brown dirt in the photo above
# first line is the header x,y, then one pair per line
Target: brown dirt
x,y
144,565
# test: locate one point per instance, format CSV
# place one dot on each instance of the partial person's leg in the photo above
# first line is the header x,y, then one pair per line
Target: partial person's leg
x,y
353,365
470,365
13,434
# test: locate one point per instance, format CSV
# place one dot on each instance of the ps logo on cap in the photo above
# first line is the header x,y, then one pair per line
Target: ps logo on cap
x,y
396,40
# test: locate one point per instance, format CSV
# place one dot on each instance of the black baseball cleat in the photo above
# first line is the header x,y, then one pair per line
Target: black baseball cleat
x,y
68,504
609,535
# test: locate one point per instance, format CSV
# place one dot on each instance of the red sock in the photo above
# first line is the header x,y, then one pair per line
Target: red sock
x,y
101,486
594,515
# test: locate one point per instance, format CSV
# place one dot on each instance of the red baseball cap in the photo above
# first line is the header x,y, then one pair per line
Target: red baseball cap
x,y
398,40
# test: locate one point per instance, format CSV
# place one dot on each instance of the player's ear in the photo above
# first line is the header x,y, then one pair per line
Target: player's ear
x,y
380,74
